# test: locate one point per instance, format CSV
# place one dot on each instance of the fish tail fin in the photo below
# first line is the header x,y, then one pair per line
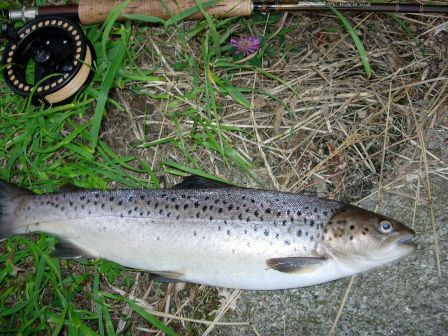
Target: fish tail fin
x,y
8,195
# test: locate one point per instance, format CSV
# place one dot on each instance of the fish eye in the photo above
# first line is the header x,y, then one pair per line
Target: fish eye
x,y
385,226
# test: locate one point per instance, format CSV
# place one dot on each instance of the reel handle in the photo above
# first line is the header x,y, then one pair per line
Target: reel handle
x,y
96,11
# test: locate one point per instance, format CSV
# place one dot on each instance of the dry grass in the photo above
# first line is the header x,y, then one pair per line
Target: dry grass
x,y
337,133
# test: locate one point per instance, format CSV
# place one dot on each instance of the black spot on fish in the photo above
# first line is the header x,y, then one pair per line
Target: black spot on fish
x,y
220,210
325,213
261,218
367,229
97,195
224,202
237,207
279,214
142,197
168,214
173,199
287,242
88,201
284,223
203,237
277,235
102,206
148,202
240,216
197,215
248,219
62,208
244,197
252,200
363,232
160,211
311,238
247,210
268,210
141,213
166,207
158,238
147,213
225,221
230,207
305,220
207,198
211,218
95,203
292,219
130,199
216,201
299,233
256,213
71,203
56,206
129,212
299,213
194,233
228,232
90,212
204,208
211,207
351,238
245,231
156,205
82,198
288,212
42,202
315,209
135,208
163,195
219,228
311,223
306,233
177,217
330,222
244,205
120,202
266,233
196,204
176,206
185,206
352,227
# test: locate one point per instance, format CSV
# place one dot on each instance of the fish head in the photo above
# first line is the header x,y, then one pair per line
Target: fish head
x,y
364,239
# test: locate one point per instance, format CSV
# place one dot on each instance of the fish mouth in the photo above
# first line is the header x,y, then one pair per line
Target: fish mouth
x,y
406,239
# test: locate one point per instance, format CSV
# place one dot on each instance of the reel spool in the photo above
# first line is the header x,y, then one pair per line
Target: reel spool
x,y
49,58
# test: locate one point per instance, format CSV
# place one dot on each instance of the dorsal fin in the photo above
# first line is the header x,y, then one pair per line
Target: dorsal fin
x,y
70,188
199,182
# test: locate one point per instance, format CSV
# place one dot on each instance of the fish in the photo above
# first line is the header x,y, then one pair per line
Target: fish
x,y
207,232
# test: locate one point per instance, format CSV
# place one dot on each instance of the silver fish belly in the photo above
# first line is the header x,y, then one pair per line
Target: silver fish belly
x,y
225,237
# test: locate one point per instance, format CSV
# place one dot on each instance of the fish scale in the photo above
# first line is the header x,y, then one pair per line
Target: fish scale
x,y
229,237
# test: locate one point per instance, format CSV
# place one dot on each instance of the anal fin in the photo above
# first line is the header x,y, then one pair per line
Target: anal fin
x,y
166,276
67,250
294,264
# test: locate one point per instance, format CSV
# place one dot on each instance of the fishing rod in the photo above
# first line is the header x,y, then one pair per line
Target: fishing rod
x,y
96,11
54,45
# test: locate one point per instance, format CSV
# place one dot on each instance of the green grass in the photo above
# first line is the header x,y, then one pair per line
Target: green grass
x,y
43,148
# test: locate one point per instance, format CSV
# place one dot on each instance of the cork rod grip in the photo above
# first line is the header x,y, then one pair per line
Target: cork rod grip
x,y
96,11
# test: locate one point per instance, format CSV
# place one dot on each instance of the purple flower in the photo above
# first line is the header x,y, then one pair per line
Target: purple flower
x,y
245,45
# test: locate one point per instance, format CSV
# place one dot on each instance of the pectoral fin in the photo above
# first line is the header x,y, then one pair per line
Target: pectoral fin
x,y
294,264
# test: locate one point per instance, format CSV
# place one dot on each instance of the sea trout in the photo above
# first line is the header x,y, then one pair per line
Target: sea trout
x,y
210,233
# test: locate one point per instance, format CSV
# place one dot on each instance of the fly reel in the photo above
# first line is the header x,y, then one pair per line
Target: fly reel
x,y
49,59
